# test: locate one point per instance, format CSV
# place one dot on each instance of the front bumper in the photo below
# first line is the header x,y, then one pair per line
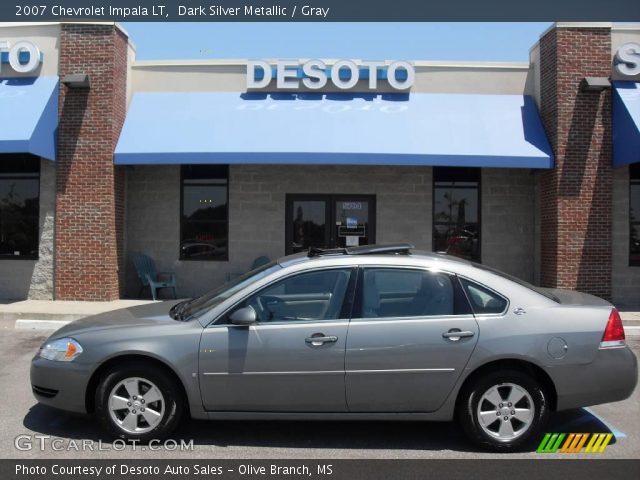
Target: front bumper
x,y
611,377
60,385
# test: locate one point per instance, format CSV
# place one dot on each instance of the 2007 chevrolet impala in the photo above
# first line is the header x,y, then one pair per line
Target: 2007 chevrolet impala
x,y
375,332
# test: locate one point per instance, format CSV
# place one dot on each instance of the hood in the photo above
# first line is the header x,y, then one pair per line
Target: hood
x,y
572,297
153,314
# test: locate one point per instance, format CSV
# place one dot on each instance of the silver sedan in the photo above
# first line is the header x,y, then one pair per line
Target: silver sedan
x,y
371,333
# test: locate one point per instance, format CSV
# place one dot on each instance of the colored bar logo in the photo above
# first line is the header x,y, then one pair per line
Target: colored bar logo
x,y
574,443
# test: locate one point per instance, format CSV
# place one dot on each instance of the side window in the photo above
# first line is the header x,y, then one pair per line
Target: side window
x,y
391,292
305,297
483,300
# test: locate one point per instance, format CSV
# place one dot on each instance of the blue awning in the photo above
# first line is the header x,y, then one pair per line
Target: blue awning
x,y
29,116
311,128
626,123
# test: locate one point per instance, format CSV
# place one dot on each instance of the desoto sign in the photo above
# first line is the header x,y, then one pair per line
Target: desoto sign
x,y
22,56
315,74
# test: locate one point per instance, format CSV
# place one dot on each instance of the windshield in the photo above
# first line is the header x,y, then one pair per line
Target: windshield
x,y
196,306
542,291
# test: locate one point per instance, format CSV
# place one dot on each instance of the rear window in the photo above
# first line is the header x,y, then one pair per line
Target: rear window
x,y
483,300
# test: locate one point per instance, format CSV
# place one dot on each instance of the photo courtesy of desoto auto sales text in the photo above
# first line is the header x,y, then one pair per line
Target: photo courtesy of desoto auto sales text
x,y
325,240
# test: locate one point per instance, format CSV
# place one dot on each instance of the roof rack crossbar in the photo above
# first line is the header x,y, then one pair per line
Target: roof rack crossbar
x,y
319,252
392,248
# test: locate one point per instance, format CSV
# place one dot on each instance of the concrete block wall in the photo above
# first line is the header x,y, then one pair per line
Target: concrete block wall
x,y
257,213
153,223
625,279
507,221
20,279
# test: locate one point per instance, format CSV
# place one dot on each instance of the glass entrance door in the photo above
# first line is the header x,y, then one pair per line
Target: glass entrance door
x,y
329,221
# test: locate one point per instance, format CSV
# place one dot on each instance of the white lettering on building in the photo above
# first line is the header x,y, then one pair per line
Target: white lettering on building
x,y
13,52
628,59
315,74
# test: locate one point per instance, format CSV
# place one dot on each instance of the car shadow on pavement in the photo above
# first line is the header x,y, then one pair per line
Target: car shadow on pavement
x,y
346,435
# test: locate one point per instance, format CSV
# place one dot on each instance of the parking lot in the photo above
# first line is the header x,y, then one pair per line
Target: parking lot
x,y
61,435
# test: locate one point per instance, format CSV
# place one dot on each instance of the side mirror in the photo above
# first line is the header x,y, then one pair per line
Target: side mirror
x,y
245,316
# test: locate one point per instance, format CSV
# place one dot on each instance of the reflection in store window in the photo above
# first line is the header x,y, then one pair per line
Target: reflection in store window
x,y
309,229
205,214
19,206
456,211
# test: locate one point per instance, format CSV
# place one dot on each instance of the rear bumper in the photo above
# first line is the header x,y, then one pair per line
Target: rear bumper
x,y
611,377
59,384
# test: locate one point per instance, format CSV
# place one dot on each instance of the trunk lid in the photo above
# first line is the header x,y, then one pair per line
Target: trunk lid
x,y
572,297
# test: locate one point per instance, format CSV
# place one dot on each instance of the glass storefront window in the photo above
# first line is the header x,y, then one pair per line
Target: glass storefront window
x,y
19,206
634,214
204,232
456,211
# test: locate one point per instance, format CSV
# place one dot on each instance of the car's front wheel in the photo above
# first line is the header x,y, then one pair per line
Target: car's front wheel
x,y
138,403
503,411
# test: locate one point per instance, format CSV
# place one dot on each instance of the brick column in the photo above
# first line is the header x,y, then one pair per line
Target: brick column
x,y
576,197
89,189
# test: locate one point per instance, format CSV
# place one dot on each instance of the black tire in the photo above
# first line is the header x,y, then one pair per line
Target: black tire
x,y
468,411
168,386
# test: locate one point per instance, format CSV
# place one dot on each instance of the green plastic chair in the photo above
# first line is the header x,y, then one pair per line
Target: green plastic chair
x,y
152,279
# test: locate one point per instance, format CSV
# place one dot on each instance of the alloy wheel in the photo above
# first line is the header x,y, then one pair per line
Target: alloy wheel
x,y
505,411
136,405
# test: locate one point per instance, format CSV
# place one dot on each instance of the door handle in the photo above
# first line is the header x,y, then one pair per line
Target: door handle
x,y
320,339
456,334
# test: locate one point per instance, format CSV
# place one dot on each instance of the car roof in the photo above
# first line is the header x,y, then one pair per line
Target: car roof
x,y
391,254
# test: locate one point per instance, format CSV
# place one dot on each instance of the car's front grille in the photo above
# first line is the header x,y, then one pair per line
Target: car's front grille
x,y
44,392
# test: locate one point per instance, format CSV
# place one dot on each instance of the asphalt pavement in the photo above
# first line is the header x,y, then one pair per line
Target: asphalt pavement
x,y
30,430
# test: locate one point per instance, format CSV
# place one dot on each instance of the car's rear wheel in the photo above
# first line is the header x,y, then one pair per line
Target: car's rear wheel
x,y
138,403
503,411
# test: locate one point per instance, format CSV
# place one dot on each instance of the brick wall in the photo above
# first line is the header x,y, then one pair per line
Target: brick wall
x,y
89,189
576,197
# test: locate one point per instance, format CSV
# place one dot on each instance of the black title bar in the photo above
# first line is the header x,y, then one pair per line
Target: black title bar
x,y
320,10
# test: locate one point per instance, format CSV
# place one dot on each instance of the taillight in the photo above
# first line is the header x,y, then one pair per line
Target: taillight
x,y
614,331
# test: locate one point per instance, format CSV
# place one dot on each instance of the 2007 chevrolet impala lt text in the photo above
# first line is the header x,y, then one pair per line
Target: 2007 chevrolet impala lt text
x,y
374,332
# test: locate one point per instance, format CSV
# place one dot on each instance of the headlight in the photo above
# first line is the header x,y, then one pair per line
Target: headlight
x,y
60,350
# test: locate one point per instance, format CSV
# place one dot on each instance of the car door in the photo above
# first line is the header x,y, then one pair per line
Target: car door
x,y
411,336
292,358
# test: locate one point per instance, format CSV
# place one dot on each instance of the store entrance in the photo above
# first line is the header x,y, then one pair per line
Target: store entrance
x,y
329,221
